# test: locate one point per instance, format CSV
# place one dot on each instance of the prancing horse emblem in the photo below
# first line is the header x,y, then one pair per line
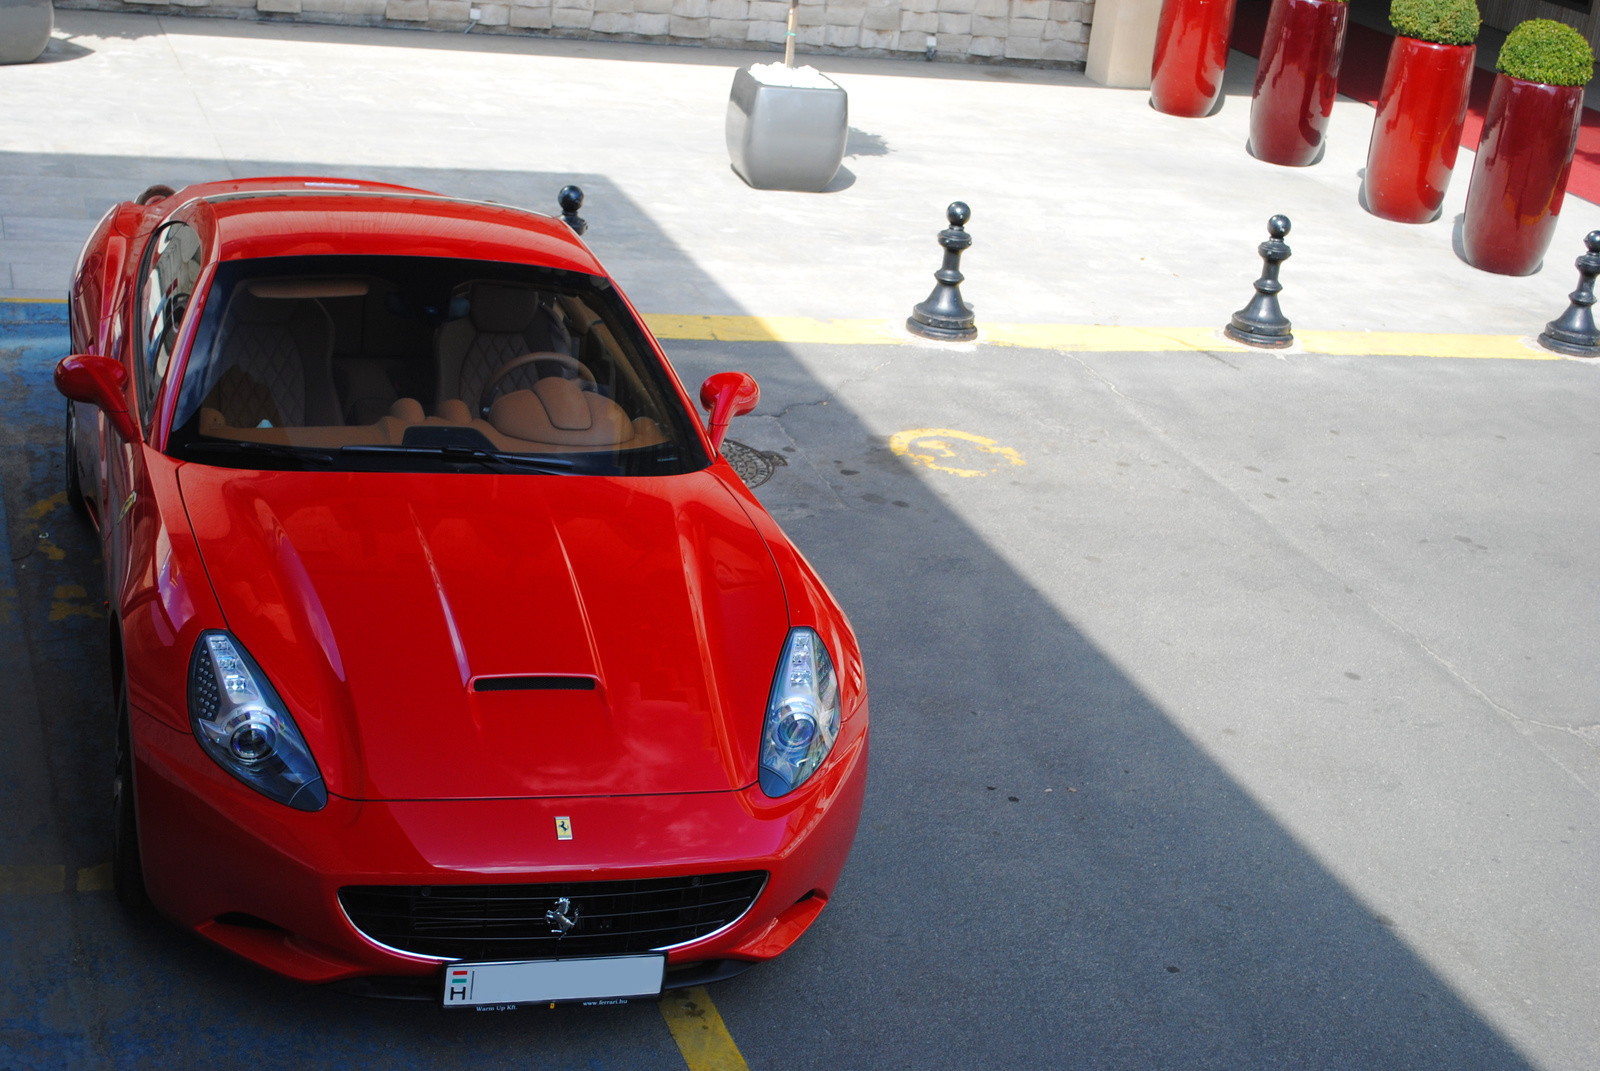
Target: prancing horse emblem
x,y
562,918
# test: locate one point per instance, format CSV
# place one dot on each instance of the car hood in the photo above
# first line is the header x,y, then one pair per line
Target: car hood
x,y
381,605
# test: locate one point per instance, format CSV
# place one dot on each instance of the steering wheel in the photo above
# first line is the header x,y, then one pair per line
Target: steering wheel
x,y
584,375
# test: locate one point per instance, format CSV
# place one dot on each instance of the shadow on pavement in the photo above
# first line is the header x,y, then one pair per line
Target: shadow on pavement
x,y
1145,912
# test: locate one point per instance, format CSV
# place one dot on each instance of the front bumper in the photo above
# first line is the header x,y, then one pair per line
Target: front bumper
x,y
262,880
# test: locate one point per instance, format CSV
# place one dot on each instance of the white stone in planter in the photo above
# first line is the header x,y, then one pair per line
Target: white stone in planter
x,y
786,127
25,27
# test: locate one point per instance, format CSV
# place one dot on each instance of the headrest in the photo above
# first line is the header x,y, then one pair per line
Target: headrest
x,y
502,310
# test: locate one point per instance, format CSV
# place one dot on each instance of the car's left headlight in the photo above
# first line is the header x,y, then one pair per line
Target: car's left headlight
x,y
802,714
242,724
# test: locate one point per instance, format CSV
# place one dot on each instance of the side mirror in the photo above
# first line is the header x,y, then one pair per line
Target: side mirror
x,y
98,381
727,395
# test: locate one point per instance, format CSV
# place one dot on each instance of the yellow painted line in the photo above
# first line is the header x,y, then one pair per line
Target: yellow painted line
x,y
94,878
25,879
34,300
1100,338
1415,344
45,506
71,600
1104,338
772,329
698,1029
33,879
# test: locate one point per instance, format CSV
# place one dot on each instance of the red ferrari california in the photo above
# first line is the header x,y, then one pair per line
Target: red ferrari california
x,y
449,657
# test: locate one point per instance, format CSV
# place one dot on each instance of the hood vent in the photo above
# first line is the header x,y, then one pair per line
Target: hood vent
x,y
533,684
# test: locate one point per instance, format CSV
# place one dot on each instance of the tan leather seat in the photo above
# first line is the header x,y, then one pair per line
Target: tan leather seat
x,y
503,321
275,363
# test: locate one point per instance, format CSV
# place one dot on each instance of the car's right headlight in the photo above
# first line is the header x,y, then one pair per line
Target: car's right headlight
x,y
242,724
802,714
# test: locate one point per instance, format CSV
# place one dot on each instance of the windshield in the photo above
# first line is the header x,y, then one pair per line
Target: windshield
x,y
425,364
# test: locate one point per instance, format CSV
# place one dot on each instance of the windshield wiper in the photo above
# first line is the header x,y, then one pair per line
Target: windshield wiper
x,y
451,454
240,446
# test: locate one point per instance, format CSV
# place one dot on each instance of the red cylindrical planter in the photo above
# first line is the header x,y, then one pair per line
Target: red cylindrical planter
x,y
1520,175
1418,129
1191,54
1296,81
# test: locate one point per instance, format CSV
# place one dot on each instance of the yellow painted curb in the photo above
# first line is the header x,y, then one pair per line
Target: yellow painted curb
x,y
1413,344
771,329
1097,338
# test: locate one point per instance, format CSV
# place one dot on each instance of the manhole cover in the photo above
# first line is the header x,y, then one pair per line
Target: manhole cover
x,y
755,467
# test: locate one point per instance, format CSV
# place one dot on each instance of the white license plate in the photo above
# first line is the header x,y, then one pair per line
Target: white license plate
x,y
598,980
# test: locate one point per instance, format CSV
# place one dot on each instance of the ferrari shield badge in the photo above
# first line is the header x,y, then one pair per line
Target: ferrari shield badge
x,y
563,828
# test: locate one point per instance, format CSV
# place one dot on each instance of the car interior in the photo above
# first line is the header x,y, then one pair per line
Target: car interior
x,y
334,360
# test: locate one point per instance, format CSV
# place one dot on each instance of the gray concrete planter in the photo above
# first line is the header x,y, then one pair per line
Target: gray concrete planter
x,y
25,27
786,137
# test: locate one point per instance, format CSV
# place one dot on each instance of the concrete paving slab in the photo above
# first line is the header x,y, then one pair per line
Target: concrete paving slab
x,y
1088,206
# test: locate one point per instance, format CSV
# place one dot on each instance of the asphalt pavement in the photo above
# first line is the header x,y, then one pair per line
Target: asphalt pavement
x,y
1229,711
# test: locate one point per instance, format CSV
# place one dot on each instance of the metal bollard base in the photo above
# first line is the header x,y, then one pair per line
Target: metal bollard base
x,y
1260,339
930,324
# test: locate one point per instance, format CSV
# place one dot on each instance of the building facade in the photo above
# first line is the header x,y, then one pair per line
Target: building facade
x,y
1051,33
1035,33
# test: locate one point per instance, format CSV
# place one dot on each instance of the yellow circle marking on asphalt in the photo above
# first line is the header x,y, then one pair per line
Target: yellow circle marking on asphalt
x,y
949,450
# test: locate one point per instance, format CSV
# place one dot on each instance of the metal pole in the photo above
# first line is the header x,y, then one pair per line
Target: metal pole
x,y
788,41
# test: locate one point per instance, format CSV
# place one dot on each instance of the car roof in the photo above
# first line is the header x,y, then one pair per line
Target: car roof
x,y
308,216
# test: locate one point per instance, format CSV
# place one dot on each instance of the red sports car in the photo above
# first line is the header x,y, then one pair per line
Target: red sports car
x,y
449,656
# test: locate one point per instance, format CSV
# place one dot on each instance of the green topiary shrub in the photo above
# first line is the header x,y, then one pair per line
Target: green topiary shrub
x,y
1444,22
1543,50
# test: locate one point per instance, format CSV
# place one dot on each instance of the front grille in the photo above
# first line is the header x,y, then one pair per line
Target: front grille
x,y
509,922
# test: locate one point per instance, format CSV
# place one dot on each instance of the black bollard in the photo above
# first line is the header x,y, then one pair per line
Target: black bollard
x,y
571,199
944,315
1262,323
1575,334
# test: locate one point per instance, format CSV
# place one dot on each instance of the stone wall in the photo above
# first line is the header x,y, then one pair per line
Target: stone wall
x,y
1045,33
